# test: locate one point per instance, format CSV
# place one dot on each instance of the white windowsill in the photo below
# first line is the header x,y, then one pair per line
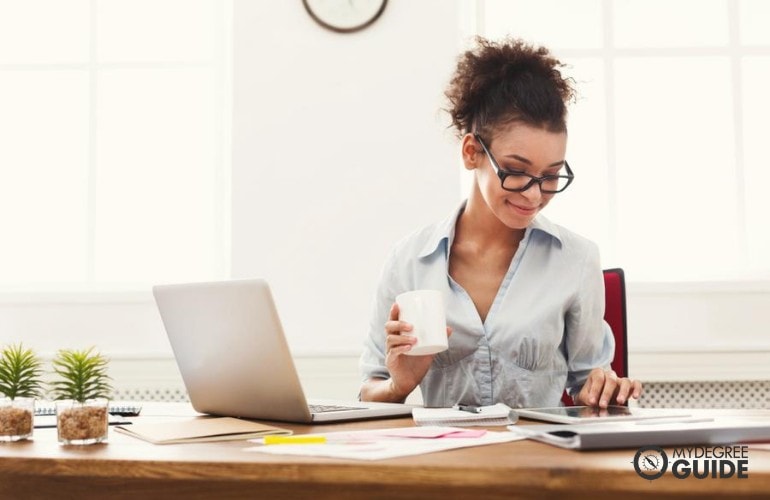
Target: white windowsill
x,y
76,297
697,287
122,296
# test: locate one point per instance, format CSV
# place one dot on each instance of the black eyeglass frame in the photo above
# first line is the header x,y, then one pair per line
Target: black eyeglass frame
x,y
502,174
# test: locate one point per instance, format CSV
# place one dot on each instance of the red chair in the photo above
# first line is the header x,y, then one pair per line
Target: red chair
x,y
615,316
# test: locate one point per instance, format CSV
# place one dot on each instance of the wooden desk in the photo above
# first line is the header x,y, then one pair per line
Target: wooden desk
x,y
129,468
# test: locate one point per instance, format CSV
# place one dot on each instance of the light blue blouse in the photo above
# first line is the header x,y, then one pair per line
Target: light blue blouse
x,y
543,333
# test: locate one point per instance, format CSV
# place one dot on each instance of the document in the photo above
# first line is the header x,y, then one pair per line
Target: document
x,y
388,443
498,414
200,429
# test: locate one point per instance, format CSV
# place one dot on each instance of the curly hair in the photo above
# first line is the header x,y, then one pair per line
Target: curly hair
x,y
497,83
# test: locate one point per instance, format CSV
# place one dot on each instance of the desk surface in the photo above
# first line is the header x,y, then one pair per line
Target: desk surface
x,y
126,467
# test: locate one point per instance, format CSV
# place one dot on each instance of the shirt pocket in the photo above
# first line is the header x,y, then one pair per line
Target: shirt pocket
x,y
534,374
526,355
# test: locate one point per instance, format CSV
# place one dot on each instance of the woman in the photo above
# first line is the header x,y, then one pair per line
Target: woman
x,y
524,296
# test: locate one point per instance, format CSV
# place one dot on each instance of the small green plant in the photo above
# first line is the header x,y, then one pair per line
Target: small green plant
x,y
20,372
82,375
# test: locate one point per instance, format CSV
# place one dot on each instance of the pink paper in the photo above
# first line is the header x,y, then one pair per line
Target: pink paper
x,y
430,432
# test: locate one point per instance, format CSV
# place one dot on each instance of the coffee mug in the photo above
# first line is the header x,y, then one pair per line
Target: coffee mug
x,y
424,309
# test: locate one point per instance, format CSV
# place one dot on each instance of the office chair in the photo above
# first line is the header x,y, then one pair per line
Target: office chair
x,y
615,316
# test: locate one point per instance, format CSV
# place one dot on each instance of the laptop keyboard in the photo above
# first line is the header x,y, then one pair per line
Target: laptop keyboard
x,y
328,408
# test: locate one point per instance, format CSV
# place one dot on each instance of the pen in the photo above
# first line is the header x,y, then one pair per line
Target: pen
x,y
469,408
295,439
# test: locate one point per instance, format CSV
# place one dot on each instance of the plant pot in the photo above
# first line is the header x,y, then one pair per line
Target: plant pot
x,y
82,423
16,418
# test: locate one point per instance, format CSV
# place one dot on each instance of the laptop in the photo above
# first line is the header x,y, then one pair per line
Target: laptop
x,y
230,347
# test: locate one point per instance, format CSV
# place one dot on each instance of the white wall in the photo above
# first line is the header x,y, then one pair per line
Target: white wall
x,y
338,150
699,331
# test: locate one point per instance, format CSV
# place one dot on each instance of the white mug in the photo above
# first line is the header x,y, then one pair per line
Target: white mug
x,y
424,309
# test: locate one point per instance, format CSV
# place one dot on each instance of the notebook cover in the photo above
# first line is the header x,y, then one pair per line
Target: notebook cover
x,y
694,431
197,430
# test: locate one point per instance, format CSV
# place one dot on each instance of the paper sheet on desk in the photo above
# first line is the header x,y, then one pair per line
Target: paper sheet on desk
x,y
390,443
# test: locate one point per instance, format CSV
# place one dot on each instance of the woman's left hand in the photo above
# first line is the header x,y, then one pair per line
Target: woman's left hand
x,y
604,387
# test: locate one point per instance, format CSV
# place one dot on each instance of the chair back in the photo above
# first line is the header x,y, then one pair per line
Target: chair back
x,y
615,316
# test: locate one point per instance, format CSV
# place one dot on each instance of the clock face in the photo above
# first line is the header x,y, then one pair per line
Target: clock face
x,y
345,16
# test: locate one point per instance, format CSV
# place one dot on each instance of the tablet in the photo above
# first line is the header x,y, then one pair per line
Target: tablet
x,y
584,414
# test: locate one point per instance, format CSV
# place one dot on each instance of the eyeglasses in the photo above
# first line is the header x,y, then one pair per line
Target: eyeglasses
x,y
516,181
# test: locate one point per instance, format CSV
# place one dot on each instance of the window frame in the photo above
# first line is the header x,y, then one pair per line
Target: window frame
x,y
88,289
736,280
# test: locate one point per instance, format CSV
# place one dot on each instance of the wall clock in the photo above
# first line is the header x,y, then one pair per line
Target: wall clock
x,y
345,16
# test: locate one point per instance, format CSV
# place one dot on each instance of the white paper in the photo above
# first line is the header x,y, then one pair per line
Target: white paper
x,y
377,445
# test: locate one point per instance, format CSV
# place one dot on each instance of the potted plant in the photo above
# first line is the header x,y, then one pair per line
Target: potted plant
x,y
81,392
20,384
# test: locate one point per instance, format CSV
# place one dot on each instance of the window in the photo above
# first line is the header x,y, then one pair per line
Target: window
x,y
113,142
666,138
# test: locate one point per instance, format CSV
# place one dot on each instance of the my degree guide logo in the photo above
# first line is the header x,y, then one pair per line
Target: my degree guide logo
x,y
699,462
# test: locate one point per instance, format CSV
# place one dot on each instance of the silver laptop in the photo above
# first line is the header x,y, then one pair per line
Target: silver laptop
x,y
231,351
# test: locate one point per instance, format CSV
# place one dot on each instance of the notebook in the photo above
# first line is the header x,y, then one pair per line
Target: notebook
x,y
199,430
48,420
673,432
230,347
115,408
498,414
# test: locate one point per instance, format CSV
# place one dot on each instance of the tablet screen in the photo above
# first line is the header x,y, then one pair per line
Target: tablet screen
x,y
584,414
575,414
587,411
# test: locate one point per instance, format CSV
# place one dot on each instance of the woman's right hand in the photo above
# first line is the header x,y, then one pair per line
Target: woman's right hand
x,y
406,372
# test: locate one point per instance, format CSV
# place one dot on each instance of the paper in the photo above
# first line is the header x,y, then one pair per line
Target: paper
x,y
432,432
498,414
201,429
389,443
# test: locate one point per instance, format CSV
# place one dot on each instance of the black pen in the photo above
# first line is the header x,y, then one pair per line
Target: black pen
x,y
469,408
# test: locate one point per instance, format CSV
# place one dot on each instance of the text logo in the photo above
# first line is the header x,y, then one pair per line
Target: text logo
x,y
716,462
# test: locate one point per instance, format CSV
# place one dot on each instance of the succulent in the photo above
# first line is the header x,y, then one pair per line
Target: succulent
x,y
82,375
20,371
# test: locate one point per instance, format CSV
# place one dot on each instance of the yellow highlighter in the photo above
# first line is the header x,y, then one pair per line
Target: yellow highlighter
x,y
295,439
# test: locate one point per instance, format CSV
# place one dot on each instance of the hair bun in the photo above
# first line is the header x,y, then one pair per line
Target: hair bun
x,y
499,82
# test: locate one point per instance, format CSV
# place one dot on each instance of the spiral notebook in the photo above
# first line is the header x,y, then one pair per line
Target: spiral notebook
x,y
122,409
498,414
48,421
